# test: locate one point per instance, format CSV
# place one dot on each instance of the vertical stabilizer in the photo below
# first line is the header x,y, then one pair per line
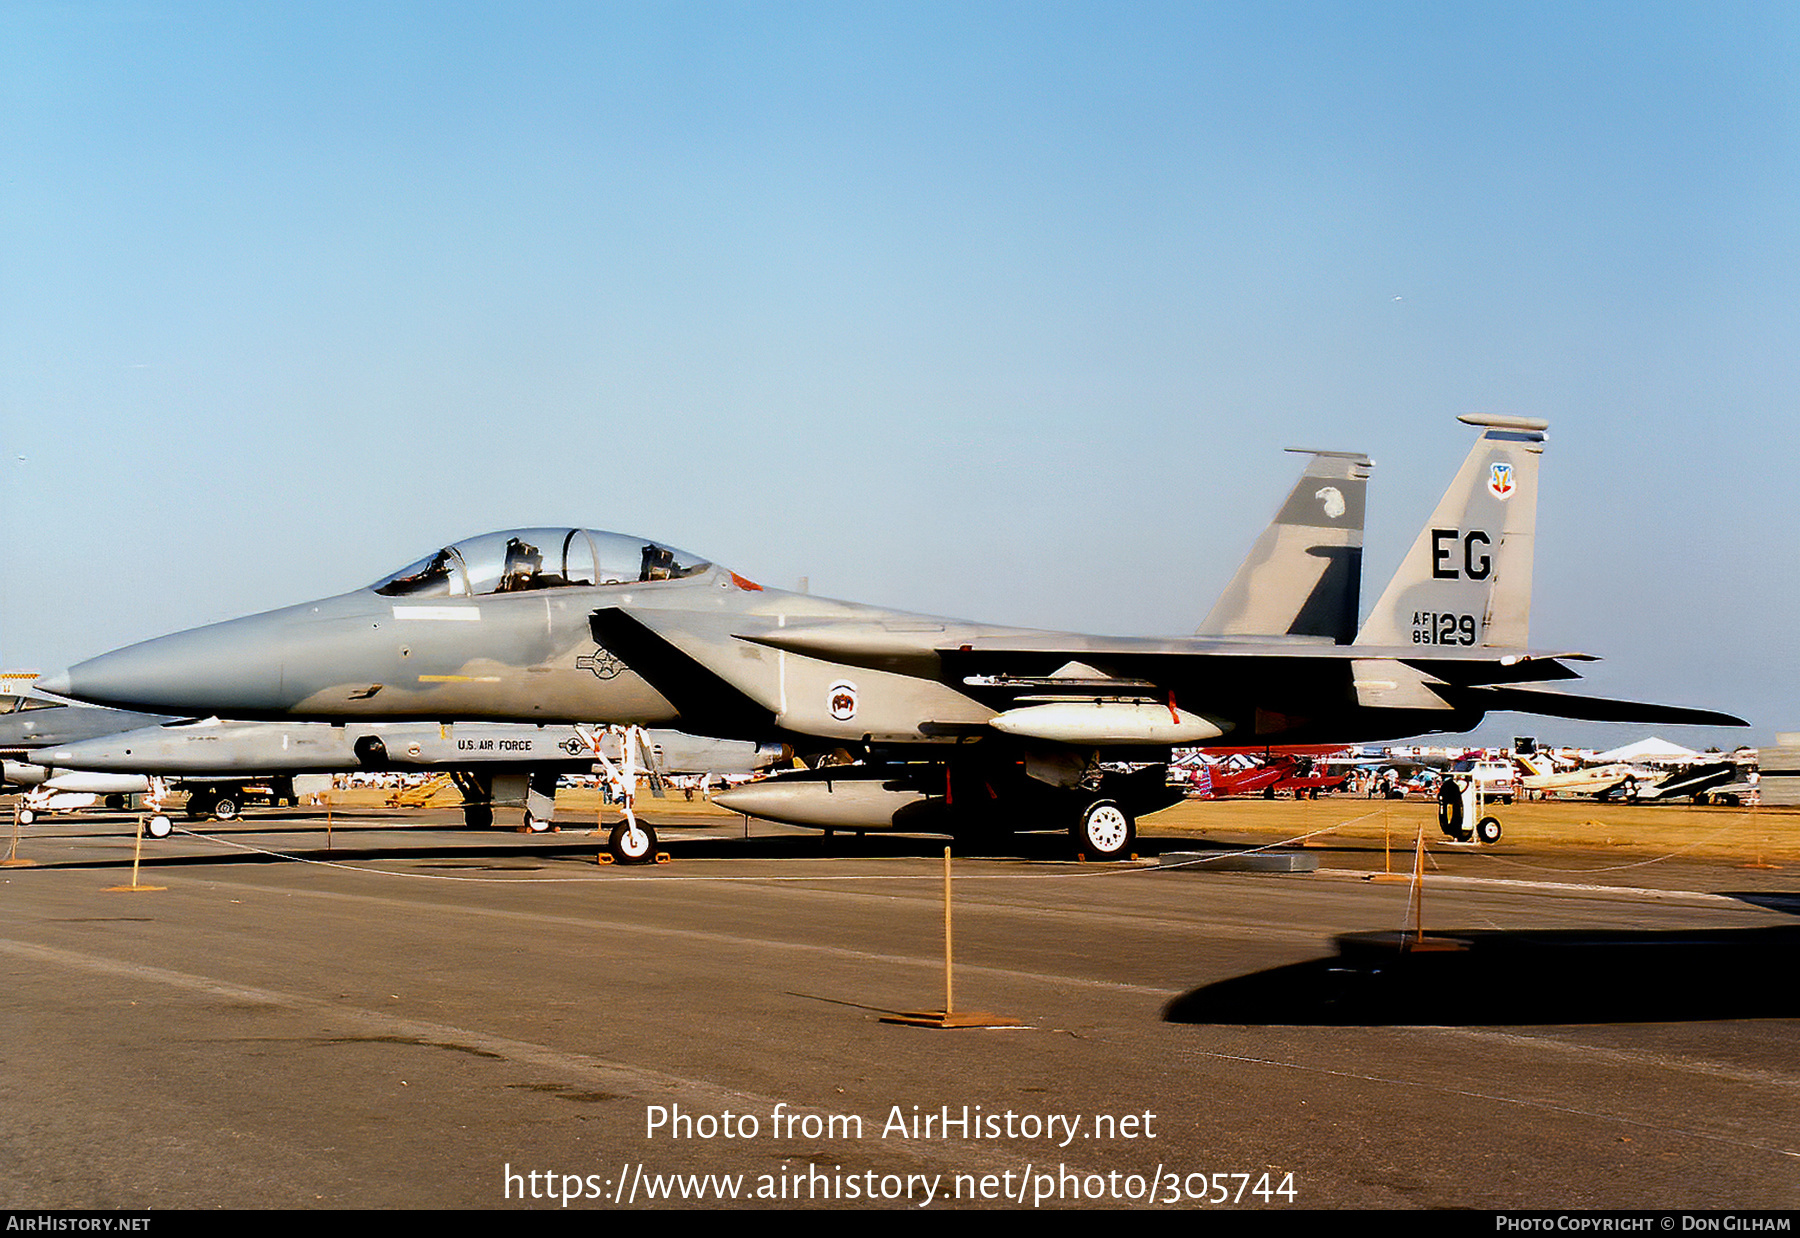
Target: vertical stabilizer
x,y
1303,576
1467,579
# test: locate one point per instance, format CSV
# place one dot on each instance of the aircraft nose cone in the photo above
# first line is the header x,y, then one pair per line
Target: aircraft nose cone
x,y
57,684
231,665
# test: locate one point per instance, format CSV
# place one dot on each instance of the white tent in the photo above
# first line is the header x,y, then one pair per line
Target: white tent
x,y
1652,749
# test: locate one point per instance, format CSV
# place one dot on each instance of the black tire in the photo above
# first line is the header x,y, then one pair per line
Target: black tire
x,y
159,826
1450,811
199,805
1104,831
627,847
225,808
1487,830
478,816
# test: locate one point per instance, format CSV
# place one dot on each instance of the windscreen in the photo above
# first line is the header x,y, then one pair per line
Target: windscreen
x,y
525,560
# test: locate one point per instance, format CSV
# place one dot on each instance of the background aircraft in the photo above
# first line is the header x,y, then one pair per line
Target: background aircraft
x,y
1277,773
960,725
29,722
1596,780
499,764
70,756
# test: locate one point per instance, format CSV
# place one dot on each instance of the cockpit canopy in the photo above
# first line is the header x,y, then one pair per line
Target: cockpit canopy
x,y
521,560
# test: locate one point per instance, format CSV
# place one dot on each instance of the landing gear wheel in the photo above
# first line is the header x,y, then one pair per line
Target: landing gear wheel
x,y
631,844
477,816
1487,829
159,826
536,824
198,806
225,808
1104,831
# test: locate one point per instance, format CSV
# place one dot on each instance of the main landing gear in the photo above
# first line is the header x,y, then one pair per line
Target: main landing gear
x,y
220,805
1104,831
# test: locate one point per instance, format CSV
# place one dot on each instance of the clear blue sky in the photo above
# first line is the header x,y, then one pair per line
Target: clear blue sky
x,y
1001,311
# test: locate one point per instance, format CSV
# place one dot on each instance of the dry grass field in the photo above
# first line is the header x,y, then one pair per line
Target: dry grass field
x,y
1647,829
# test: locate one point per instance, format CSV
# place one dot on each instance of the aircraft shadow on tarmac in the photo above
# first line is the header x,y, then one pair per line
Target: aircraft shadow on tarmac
x,y
1769,900
1495,977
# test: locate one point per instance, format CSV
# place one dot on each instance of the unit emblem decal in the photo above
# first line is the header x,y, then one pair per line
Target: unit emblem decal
x,y
841,698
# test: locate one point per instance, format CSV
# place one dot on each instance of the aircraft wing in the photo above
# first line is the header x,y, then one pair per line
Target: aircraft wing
x,y
1045,665
1134,658
964,677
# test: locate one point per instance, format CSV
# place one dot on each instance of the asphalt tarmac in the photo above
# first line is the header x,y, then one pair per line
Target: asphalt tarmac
x,y
422,1016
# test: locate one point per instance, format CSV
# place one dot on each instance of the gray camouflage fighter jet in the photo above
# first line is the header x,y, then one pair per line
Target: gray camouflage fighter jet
x,y
29,722
75,751
960,726
1300,582
494,764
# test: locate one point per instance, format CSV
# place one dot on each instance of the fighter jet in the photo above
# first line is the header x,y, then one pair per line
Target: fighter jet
x,y
75,756
1299,583
497,764
29,723
960,726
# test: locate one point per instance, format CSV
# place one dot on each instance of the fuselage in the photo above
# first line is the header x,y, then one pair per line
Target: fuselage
x,y
682,643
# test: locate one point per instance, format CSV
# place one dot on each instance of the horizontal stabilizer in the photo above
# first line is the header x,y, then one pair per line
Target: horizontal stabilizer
x,y
1591,708
1525,668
